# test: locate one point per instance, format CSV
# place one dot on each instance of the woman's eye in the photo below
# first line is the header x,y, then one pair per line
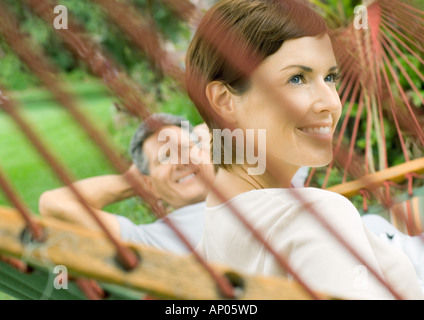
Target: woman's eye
x,y
329,78
296,79
334,77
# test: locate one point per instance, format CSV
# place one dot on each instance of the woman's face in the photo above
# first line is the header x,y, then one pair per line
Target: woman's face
x,y
293,96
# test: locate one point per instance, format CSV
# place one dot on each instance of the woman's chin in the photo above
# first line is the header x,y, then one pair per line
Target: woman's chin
x,y
317,162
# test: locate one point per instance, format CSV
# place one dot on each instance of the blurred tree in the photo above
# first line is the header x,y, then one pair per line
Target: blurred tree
x,y
101,30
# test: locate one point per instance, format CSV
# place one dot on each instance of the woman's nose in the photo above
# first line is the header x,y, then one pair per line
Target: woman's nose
x,y
327,98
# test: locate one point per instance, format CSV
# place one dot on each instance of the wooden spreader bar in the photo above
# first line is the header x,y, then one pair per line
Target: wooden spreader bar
x,y
374,180
89,254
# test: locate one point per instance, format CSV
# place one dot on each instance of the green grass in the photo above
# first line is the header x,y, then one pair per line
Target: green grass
x,y
29,174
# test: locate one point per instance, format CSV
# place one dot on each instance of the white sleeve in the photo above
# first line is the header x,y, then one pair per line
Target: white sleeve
x,y
130,231
397,268
321,260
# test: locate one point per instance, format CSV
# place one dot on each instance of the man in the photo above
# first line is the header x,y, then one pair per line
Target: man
x,y
177,185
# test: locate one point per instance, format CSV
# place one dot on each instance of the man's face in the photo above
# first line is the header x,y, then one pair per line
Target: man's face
x,y
173,177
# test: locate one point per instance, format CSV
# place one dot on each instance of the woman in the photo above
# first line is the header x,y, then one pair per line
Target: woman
x,y
268,64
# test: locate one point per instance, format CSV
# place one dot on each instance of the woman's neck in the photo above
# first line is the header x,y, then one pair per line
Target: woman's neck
x,y
236,181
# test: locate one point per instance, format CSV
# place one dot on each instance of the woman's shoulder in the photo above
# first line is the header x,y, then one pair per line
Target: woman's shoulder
x,y
295,194
302,201
323,195
293,199
325,201
289,201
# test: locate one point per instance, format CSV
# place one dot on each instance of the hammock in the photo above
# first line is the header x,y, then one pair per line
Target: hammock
x,y
161,274
127,270
91,255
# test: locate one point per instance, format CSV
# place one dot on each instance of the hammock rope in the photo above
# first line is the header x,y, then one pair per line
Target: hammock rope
x,y
36,230
103,67
127,256
226,43
218,38
68,181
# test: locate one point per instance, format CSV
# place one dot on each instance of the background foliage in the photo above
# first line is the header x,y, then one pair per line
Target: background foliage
x,y
15,76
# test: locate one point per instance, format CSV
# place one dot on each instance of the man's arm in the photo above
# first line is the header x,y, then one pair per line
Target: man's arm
x,y
97,192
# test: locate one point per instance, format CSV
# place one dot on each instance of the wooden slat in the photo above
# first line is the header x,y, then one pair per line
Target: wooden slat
x,y
89,254
371,181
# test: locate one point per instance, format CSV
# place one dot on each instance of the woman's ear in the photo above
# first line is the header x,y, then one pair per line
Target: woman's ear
x,y
221,100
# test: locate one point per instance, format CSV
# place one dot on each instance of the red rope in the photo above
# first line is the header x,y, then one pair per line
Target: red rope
x,y
416,126
241,63
341,133
389,202
353,138
365,195
16,264
310,176
128,258
90,288
36,230
409,9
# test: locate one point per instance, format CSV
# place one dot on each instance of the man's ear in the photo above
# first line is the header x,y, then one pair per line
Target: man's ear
x,y
221,100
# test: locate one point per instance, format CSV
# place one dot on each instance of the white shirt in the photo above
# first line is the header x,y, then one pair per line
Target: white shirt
x,y
188,219
315,255
412,246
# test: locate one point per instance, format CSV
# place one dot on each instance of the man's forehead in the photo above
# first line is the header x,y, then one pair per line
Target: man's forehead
x,y
176,129
166,134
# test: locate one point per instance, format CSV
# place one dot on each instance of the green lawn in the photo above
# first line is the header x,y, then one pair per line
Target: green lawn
x,y
20,161
28,172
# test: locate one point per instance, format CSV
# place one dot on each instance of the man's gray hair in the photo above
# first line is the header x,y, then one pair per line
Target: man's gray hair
x,y
147,128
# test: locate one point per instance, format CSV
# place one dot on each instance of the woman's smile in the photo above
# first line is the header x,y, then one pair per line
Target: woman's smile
x,y
318,130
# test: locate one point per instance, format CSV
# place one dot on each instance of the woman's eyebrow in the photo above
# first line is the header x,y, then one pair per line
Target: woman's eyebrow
x,y
308,69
